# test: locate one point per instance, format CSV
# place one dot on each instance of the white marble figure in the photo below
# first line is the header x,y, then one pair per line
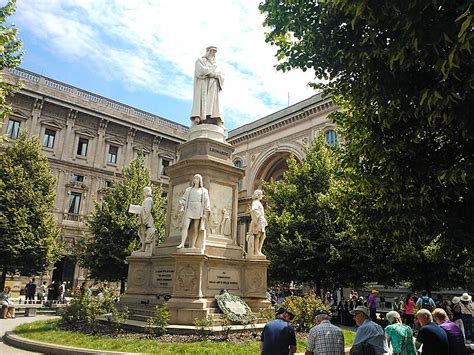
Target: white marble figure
x,y
208,82
257,225
146,229
225,223
195,207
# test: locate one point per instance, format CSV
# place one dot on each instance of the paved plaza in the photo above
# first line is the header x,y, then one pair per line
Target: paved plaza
x,y
7,325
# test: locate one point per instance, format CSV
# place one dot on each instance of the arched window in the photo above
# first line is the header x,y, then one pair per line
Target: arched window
x,y
238,163
331,137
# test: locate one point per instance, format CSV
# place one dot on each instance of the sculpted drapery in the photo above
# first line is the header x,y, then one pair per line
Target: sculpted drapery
x,y
208,82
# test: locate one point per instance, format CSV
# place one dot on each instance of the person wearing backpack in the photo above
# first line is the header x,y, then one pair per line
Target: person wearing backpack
x,y
425,302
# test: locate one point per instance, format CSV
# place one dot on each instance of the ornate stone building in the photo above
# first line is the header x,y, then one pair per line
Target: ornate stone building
x,y
88,139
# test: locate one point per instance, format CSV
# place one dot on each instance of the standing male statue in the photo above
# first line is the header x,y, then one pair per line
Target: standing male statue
x,y
195,207
257,224
146,229
208,82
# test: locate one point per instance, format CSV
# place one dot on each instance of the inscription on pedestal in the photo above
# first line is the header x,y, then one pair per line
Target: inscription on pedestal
x,y
223,278
163,276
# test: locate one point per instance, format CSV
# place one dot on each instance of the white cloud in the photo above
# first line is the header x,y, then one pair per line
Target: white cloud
x,y
153,44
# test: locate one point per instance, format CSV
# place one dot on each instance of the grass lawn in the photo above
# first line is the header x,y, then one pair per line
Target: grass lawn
x,y
48,331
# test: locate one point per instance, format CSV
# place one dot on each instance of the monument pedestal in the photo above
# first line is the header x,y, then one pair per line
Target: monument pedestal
x,y
192,277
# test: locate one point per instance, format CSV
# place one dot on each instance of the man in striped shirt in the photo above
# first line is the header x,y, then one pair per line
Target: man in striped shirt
x,y
324,338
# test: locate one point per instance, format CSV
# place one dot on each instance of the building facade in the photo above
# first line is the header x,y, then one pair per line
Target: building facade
x,y
88,139
262,147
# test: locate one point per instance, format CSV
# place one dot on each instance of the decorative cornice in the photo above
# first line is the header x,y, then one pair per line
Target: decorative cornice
x,y
274,126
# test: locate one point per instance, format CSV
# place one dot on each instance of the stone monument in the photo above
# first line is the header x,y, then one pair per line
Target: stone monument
x,y
146,230
200,255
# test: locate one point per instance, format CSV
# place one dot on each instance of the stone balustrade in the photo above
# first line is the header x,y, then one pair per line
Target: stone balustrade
x,y
85,95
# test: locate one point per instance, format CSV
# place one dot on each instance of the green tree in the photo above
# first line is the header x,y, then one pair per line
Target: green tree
x,y
114,231
306,241
401,73
10,57
28,230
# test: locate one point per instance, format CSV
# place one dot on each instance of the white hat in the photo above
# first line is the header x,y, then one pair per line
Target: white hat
x,y
362,309
456,299
465,297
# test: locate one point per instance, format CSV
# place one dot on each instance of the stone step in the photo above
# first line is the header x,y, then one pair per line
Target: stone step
x,y
141,327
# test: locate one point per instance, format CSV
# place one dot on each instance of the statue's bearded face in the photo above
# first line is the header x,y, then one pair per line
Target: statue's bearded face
x,y
211,55
196,181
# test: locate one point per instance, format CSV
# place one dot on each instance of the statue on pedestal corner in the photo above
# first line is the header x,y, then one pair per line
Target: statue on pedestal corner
x,y
256,235
146,229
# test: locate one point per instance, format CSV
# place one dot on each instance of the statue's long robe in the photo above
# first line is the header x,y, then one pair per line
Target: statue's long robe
x,y
206,91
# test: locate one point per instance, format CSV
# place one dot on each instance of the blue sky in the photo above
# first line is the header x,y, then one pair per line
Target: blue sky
x,y
142,53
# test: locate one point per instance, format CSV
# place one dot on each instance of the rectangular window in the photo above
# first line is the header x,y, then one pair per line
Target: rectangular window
x,y
74,202
108,183
164,164
48,138
79,178
112,155
82,147
13,129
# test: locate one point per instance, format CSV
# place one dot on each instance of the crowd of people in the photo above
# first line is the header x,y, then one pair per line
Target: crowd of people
x,y
417,325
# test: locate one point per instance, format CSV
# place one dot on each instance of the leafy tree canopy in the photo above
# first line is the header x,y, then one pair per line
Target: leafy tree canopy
x,y
401,73
28,231
114,231
10,56
306,242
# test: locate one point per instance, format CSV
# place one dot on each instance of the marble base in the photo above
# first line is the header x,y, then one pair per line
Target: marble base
x,y
207,131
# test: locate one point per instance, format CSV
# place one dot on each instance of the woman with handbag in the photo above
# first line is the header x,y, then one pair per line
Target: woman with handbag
x,y
399,335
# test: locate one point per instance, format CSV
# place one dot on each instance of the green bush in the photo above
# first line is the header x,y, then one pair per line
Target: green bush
x,y
85,310
303,308
156,325
203,326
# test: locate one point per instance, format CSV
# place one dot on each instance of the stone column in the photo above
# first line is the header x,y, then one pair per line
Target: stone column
x,y
34,127
100,153
128,154
155,158
68,151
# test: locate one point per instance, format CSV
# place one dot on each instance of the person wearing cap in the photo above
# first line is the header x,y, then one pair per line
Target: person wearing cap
x,y
433,338
368,334
372,304
466,315
278,336
399,335
208,82
455,336
324,338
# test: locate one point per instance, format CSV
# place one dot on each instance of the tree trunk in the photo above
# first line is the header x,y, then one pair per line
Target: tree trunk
x,y
3,278
122,286
318,288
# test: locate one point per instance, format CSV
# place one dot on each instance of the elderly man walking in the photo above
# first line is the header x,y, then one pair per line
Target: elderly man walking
x,y
324,338
370,337
278,336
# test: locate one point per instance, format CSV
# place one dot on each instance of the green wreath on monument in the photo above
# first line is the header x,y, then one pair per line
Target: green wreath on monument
x,y
234,307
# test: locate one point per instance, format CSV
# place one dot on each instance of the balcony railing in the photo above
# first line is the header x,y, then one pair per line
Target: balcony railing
x,y
99,100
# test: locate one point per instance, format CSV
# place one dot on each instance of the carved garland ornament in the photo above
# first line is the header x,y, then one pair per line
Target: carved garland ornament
x,y
234,307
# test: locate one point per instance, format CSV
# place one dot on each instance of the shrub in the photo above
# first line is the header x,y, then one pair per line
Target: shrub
x,y
303,308
203,326
156,325
84,311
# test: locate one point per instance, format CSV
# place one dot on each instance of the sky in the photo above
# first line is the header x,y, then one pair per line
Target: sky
x,y
142,53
